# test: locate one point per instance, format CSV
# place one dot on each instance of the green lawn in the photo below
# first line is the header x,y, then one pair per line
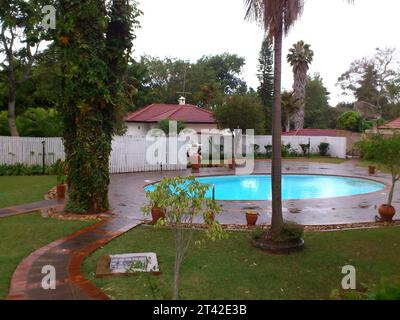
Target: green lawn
x,y
23,234
317,159
233,269
16,190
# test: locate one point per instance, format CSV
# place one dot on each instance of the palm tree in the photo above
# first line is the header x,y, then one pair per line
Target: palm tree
x,y
290,106
300,57
277,17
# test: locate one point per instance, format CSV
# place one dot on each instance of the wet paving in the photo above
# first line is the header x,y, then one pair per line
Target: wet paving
x,y
127,195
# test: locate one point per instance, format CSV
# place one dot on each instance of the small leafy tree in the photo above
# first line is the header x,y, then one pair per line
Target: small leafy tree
x,y
305,148
350,120
184,199
323,148
385,152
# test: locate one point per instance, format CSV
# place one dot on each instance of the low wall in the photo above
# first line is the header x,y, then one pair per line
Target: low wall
x,y
337,145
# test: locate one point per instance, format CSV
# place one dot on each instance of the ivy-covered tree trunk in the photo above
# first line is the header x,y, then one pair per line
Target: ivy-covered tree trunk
x,y
94,47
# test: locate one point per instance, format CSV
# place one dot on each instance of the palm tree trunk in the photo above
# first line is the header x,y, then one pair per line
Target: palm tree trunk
x,y
277,218
287,122
299,89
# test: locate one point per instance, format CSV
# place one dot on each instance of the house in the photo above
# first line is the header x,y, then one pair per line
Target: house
x,y
390,127
194,117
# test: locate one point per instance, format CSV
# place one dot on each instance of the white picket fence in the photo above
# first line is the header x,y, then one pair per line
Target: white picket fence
x,y
128,154
131,154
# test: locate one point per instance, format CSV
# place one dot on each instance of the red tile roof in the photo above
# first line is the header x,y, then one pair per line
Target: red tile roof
x,y
312,133
187,113
394,124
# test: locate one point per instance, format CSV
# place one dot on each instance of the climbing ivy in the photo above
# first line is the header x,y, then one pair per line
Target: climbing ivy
x,y
94,42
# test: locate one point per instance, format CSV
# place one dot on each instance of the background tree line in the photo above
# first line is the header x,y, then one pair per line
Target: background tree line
x,y
212,82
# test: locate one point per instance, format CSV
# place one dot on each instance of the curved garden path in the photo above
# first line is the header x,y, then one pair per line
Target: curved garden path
x,y
66,255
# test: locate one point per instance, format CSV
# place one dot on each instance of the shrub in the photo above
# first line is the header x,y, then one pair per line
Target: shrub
x,y
351,121
291,232
256,148
323,149
39,122
268,149
305,148
285,150
385,292
20,169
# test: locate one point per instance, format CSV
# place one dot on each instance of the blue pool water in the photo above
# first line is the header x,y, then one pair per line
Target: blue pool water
x,y
258,187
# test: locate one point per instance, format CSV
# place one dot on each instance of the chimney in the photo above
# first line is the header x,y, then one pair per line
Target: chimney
x,y
182,101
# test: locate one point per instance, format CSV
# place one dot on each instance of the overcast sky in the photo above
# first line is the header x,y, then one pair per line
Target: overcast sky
x,y
338,33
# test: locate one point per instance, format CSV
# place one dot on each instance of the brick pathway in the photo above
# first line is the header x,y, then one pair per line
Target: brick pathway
x,y
26,208
66,255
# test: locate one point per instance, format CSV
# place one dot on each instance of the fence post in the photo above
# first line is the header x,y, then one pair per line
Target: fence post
x,y
44,157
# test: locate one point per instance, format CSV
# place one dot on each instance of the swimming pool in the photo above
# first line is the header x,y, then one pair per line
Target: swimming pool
x,y
258,187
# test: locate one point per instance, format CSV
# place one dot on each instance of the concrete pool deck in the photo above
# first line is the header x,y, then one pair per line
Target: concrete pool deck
x,y
127,195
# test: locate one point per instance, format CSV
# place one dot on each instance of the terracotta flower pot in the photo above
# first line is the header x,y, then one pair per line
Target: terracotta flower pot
x,y
157,214
371,169
211,217
232,164
61,190
195,162
251,219
387,212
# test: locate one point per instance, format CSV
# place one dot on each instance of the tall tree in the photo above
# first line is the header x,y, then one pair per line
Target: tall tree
x,y
277,16
317,111
20,36
372,79
266,77
241,112
93,41
300,57
227,68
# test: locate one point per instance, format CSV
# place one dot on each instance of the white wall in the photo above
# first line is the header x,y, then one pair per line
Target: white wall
x,y
337,145
137,129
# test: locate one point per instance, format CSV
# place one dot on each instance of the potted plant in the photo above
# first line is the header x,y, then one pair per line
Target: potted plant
x,y
232,163
251,217
386,153
209,217
195,162
371,169
61,186
156,204
59,169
